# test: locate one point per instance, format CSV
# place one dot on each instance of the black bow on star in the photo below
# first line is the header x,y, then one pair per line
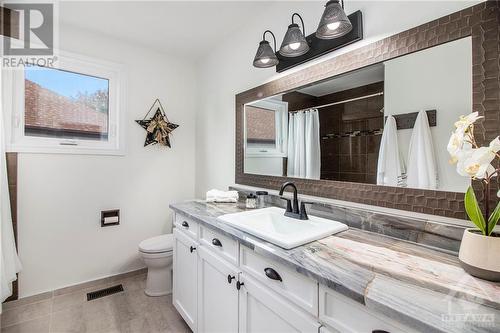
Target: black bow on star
x,y
158,127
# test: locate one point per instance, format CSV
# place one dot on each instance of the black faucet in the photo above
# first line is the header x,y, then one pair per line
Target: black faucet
x,y
292,210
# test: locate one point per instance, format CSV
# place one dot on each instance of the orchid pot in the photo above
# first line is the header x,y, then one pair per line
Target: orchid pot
x,y
479,254
481,245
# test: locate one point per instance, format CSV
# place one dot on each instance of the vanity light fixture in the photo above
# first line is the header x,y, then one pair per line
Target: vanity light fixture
x,y
335,31
265,56
294,43
334,22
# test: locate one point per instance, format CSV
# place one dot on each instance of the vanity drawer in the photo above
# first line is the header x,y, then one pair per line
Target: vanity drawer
x,y
224,246
345,315
285,281
186,225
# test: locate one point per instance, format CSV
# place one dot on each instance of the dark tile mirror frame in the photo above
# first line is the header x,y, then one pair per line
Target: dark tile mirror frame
x,y
481,22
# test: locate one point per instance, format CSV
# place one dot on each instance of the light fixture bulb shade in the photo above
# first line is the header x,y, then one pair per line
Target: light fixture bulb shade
x,y
334,23
294,43
265,56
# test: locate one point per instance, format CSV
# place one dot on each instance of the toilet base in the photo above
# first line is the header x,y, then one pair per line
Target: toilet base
x,y
159,279
156,295
159,282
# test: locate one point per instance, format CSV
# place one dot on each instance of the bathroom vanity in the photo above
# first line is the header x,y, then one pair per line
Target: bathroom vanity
x,y
226,280
322,127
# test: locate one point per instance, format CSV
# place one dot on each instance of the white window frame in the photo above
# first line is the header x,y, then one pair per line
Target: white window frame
x,y
281,125
13,92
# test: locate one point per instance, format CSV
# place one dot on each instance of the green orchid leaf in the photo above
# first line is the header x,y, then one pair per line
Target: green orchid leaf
x,y
493,220
473,210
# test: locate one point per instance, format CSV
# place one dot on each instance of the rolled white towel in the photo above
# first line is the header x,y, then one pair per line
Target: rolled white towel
x,y
222,196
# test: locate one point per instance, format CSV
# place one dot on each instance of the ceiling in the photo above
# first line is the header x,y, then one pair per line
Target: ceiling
x,y
362,77
187,28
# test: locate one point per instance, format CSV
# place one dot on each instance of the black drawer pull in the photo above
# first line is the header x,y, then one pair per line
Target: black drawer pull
x,y
272,274
216,242
185,224
191,249
230,278
239,284
379,331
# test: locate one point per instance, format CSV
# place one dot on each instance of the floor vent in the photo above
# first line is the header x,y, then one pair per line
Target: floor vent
x,y
104,292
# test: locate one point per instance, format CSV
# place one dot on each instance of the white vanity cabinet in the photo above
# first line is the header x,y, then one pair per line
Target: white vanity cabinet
x,y
263,310
217,294
342,314
272,297
185,268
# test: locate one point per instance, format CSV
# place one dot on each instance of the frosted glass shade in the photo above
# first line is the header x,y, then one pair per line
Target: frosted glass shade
x,y
294,43
265,56
334,23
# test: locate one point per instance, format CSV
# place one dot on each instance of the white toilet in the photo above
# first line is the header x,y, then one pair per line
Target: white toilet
x,y
157,255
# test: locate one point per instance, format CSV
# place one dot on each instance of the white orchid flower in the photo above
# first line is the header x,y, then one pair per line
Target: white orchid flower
x,y
476,162
466,121
455,145
495,145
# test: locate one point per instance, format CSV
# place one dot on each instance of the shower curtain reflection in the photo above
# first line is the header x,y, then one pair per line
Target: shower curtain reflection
x,y
304,154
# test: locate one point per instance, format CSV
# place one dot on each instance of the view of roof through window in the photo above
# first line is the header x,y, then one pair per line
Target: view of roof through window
x,y
65,104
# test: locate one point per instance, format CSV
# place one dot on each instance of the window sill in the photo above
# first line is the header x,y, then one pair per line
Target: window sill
x,y
66,150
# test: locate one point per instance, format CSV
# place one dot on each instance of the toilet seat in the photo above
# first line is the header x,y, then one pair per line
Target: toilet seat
x,y
157,244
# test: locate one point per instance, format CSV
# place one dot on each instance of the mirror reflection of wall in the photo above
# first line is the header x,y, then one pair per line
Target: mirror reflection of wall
x,y
266,129
333,130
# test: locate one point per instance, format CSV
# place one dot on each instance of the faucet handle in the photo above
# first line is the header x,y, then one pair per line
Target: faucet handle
x,y
288,204
303,213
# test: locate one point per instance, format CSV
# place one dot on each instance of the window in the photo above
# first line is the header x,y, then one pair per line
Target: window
x,y
74,108
266,128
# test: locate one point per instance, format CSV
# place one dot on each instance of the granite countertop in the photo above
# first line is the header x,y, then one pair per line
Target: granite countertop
x,y
421,287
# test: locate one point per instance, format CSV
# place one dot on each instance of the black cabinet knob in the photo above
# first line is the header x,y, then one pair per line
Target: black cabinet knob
x,y
230,278
185,224
191,249
216,242
272,274
239,284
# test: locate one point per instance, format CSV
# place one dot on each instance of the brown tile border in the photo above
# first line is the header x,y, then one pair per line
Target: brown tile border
x,y
11,159
481,22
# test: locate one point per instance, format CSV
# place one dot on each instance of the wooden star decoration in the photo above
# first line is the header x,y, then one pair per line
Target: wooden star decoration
x,y
158,127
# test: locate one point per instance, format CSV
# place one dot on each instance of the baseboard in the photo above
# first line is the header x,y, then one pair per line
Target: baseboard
x,y
71,289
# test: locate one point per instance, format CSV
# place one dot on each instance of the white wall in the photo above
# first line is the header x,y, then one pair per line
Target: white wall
x,y
228,70
60,196
439,78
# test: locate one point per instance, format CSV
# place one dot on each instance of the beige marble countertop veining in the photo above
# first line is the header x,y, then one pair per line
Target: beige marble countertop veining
x,y
419,286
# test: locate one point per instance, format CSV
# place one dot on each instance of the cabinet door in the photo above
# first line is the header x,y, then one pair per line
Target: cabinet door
x,y
262,310
185,267
217,294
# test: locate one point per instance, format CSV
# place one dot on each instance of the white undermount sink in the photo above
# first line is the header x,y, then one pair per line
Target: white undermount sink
x,y
273,226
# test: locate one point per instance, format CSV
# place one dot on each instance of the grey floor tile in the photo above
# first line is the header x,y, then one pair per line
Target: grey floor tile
x,y
134,283
26,312
136,325
27,300
69,301
131,311
40,325
99,316
68,321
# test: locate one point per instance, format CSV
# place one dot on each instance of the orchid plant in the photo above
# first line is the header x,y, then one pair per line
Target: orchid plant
x,y
477,163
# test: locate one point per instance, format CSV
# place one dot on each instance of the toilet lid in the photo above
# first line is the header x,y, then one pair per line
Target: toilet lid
x,y
163,243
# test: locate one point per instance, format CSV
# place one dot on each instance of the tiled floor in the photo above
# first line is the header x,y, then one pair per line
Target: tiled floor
x,y
129,311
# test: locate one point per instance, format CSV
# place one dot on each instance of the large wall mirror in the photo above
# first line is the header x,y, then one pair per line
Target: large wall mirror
x,y
332,128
